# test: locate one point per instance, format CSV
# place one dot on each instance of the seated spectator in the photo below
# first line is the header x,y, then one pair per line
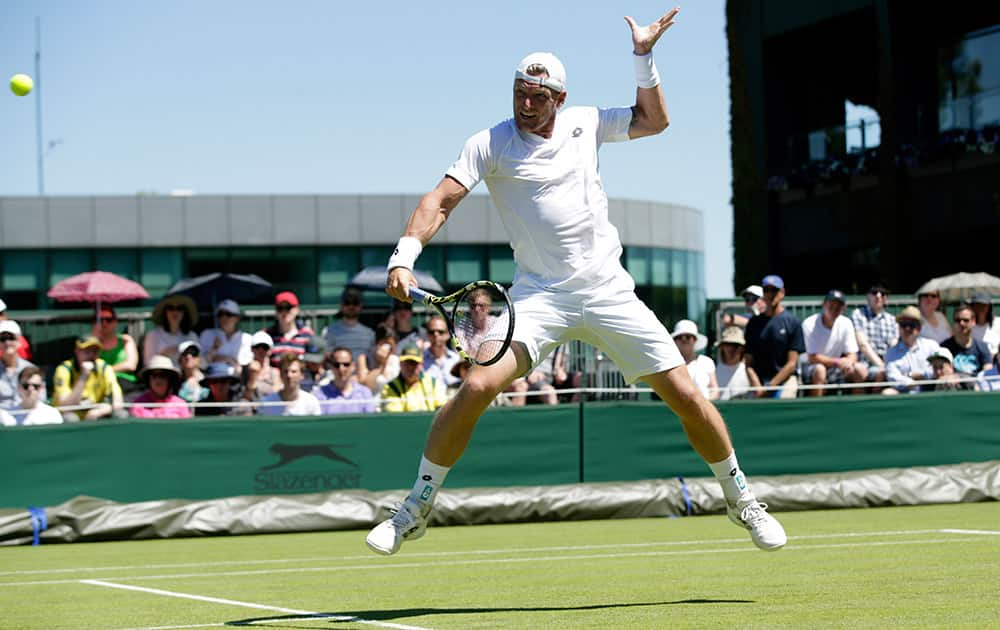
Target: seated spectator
x,y
343,394
735,378
162,380
191,390
118,350
970,356
701,368
906,362
32,409
942,363
989,380
774,343
401,321
348,331
482,321
385,364
562,376
261,377
314,362
934,323
292,400
288,333
13,363
88,383
412,390
753,302
876,331
23,346
439,357
226,343
831,346
987,327
174,316
224,387
460,371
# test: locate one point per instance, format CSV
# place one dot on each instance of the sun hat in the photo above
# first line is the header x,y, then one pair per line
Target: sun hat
x,y
553,67
182,300
688,327
219,372
160,363
941,353
732,334
911,313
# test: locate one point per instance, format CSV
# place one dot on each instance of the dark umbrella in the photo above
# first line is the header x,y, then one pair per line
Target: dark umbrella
x,y
211,289
374,278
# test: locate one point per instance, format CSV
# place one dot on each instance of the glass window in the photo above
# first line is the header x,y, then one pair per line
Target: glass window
x,y
205,260
66,263
337,265
637,263
661,267
373,256
432,261
24,271
501,264
161,268
124,262
969,81
464,264
293,269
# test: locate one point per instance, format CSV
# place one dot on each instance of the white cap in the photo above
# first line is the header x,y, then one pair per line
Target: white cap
x,y
184,345
688,327
3,306
10,326
261,337
229,306
941,353
754,290
553,67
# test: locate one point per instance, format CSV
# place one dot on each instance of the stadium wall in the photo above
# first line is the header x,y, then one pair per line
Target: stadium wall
x,y
140,460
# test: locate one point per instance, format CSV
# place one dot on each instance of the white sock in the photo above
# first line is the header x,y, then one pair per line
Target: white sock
x,y
731,478
430,476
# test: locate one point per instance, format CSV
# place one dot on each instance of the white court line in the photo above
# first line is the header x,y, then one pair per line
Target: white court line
x,y
471,552
984,532
233,602
391,566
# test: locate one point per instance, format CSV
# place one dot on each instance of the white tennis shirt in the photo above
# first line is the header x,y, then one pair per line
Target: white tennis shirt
x,y
550,197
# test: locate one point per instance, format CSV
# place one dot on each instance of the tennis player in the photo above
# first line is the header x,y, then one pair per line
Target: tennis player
x,y
542,172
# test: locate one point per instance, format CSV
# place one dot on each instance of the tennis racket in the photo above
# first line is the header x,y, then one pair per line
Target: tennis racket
x,y
480,319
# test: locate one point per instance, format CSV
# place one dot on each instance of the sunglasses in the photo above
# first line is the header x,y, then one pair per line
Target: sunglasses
x,y
436,331
34,386
911,325
963,320
173,307
351,303
283,308
193,352
261,346
227,314
108,320
340,363
930,295
877,292
8,337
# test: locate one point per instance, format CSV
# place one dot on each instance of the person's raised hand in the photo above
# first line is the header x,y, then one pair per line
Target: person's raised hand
x,y
645,37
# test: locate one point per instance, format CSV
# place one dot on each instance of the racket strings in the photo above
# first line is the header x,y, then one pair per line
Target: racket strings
x,y
481,321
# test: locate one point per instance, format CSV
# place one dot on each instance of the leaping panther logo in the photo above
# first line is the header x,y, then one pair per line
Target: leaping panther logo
x,y
288,453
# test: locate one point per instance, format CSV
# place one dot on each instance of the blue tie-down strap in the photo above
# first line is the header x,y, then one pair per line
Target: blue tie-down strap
x,y
687,496
39,523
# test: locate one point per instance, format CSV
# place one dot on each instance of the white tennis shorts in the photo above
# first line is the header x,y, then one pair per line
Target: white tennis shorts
x,y
614,320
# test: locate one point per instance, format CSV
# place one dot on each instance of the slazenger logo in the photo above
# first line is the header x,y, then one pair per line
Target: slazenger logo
x,y
325,475
288,453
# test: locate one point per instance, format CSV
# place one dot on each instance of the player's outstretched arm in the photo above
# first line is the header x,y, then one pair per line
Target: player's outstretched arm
x,y
649,114
425,221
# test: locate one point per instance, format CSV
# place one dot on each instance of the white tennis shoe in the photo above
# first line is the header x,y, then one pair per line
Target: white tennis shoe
x,y
408,523
765,530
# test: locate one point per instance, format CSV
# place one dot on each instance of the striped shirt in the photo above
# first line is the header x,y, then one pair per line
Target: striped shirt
x,y
295,341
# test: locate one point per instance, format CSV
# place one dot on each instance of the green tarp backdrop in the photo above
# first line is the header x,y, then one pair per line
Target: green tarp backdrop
x,y
139,460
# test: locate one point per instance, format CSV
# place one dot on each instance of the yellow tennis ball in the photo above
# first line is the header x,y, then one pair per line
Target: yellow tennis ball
x,y
21,84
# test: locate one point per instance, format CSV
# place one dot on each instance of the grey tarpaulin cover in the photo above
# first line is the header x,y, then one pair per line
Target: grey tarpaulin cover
x,y
93,519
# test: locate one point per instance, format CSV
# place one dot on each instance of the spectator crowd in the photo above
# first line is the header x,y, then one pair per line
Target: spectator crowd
x,y
287,369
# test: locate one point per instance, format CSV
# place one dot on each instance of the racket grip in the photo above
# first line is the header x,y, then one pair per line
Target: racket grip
x,y
419,295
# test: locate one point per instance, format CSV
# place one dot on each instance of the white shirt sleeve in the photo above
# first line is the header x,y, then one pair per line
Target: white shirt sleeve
x,y
613,124
472,163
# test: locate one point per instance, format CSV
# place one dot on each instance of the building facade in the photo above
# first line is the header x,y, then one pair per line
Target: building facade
x,y
865,141
310,244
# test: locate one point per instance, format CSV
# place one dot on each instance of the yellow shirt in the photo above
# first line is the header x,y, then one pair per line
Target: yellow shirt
x,y
427,394
101,386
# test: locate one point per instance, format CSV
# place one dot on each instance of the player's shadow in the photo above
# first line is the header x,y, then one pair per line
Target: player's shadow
x,y
402,613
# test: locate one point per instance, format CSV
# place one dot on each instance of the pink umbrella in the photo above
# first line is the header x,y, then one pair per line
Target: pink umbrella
x,y
97,286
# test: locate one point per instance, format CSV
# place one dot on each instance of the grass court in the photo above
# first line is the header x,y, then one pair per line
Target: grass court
x,y
899,567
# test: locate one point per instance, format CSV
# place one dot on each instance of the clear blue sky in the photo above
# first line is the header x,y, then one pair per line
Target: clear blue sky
x,y
341,97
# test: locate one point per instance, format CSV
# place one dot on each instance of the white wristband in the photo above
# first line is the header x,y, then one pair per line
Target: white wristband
x,y
645,71
405,255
